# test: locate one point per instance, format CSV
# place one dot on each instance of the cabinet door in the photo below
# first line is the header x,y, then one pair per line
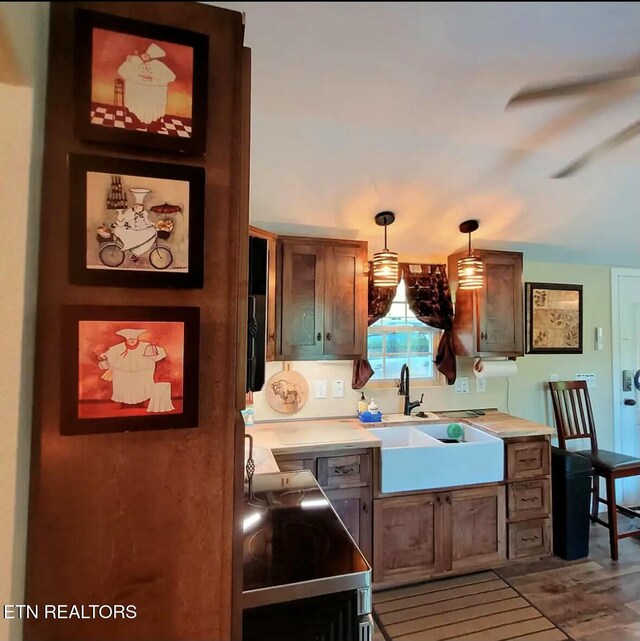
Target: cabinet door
x,y
407,533
354,508
499,305
301,301
478,527
345,310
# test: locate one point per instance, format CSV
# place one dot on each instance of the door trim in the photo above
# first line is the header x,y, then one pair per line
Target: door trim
x,y
616,273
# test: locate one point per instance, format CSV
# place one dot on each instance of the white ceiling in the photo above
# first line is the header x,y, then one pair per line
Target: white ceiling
x,y
361,107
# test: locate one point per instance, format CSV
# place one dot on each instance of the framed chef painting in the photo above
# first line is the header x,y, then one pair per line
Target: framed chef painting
x,y
139,83
129,368
135,224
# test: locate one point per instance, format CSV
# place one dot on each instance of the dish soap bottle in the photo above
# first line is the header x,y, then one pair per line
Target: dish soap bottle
x,y
373,406
362,404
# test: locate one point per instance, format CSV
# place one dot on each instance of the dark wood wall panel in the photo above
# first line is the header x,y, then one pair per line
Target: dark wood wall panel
x,y
143,518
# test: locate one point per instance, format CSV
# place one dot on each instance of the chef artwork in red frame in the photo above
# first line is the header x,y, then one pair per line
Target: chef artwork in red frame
x,y
140,83
129,368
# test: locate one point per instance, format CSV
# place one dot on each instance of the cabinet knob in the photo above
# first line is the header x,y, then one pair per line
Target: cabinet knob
x,y
448,499
319,336
365,508
483,336
328,336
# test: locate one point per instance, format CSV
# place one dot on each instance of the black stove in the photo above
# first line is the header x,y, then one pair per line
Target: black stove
x,y
294,544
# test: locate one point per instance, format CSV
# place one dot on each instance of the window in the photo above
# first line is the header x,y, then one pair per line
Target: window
x,y
401,338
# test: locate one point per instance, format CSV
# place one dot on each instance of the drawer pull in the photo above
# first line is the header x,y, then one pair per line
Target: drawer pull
x,y
344,470
530,539
529,499
528,460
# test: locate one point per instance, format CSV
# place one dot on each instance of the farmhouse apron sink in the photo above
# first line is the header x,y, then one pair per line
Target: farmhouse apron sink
x,y
413,458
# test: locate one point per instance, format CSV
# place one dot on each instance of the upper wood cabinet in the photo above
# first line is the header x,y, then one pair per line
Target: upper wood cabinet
x,y
321,292
489,321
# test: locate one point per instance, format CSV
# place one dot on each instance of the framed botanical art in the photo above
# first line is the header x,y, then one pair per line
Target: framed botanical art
x,y
129,368
139,83
554,318
135,224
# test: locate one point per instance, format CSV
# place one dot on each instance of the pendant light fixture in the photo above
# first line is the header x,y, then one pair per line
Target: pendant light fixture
x,y
470,267
385,263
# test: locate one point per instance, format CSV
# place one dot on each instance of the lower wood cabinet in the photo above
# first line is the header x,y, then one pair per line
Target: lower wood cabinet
x,y
406,532
353,506
346,480
478,528
530,538
424,535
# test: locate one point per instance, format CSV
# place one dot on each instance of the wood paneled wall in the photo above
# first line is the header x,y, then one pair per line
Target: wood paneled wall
x,y
143,518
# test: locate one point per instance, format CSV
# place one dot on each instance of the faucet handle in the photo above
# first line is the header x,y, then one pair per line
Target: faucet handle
x,y
421,398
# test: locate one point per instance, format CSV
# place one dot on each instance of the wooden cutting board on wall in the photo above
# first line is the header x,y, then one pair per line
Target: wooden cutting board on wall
x,y
287,391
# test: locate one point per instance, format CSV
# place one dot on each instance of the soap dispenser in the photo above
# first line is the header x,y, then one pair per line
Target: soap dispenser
x,y
362,404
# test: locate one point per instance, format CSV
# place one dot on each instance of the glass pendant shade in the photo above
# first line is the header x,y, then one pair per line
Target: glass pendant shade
x,y
385,269
385,263
470,268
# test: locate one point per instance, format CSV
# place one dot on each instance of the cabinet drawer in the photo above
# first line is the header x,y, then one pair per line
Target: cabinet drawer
x,y
529,500
344,471
527,460
529,538
295,465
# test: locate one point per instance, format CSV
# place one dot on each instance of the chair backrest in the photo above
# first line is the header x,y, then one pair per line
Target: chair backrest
x,y
572,411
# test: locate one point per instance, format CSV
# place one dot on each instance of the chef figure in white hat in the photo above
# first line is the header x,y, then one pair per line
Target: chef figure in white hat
x,y
130,365
146,78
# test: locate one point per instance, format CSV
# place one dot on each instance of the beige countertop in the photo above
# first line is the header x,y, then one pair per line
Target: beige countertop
x,y
507,426
300,437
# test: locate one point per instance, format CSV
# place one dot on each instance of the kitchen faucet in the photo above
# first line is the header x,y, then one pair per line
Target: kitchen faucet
x,y
403,390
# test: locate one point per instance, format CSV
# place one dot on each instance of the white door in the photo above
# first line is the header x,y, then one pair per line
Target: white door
x,y
625,299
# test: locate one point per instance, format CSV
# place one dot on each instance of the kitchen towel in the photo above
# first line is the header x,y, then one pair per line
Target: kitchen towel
x,y
494,369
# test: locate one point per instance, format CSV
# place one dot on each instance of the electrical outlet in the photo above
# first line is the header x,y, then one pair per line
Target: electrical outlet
x,y
590,378
321,389
338,389
481,385
462,385
553,378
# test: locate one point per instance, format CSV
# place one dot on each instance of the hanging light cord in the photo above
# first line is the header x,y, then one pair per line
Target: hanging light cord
x,y
469,243
385,238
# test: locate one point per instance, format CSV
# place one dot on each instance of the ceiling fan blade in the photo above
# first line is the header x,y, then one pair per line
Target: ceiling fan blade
x,y
570,87
610,143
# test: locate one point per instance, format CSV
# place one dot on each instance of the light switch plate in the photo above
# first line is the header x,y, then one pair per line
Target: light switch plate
x,y
590,378
321,389
338,389
462,385
481,385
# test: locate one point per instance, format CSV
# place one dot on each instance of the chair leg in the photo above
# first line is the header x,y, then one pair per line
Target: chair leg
x,y
613,516
595,503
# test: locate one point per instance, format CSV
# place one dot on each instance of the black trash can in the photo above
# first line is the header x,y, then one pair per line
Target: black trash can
x,y
571,489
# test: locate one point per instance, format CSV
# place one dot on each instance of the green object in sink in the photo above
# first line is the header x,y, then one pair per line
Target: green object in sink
x,y
455,430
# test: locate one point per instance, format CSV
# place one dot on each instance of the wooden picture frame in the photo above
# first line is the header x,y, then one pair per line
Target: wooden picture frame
x,y
134,223
131,75
553,318
112,380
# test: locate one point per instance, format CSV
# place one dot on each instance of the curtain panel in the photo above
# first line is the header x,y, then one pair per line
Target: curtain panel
x,y
429,298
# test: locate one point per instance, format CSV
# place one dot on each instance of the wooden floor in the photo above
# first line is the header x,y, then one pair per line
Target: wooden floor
x,y
593,599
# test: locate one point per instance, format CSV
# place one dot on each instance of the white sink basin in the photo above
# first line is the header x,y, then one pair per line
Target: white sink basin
x,y
414,459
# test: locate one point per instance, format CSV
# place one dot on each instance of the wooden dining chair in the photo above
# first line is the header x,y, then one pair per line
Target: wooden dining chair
x,y
574,420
